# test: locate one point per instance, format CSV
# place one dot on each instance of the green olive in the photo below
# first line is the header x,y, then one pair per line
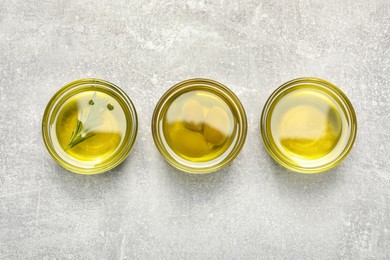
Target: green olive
x,y
193,115
216,126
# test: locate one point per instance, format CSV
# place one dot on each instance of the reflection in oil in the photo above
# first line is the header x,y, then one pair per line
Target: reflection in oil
x,y
101,127
306,125
198,126
313,135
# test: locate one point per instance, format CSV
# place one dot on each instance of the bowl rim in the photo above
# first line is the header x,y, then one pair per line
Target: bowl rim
x,y
349,112
59,95
175,91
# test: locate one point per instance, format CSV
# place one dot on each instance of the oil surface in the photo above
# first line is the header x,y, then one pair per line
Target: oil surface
x,y
307,124
103,125
199,126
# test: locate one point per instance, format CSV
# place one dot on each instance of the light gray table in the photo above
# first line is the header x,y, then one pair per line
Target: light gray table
x,y
145,209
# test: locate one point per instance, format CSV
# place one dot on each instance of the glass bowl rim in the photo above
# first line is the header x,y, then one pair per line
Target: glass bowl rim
x,y
175,91
349,113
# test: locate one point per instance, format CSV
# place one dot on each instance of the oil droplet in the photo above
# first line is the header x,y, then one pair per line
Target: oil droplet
x,y
110,107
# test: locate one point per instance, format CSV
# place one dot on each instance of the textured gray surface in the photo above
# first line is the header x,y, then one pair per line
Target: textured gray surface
x,y
146,209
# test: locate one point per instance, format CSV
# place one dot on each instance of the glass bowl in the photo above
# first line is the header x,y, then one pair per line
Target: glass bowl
x,y
308,125
199,126
89,126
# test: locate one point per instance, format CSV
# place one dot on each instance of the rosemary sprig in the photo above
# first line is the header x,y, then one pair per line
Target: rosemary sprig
x,y
77,135
89,121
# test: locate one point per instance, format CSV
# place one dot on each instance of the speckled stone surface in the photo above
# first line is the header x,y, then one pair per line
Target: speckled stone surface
x,y
145,209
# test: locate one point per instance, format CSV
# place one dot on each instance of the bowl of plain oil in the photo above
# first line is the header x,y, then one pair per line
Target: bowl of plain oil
x,y
308,125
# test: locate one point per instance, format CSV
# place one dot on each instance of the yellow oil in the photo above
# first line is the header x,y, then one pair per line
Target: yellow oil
x,y
306,123
199,126
106,127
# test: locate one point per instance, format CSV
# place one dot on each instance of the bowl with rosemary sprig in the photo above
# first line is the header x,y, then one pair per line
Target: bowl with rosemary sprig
x,y
89,126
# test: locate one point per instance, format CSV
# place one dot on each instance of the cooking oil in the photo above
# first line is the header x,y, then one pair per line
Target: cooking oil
x,y
198,126
308,125
89,127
